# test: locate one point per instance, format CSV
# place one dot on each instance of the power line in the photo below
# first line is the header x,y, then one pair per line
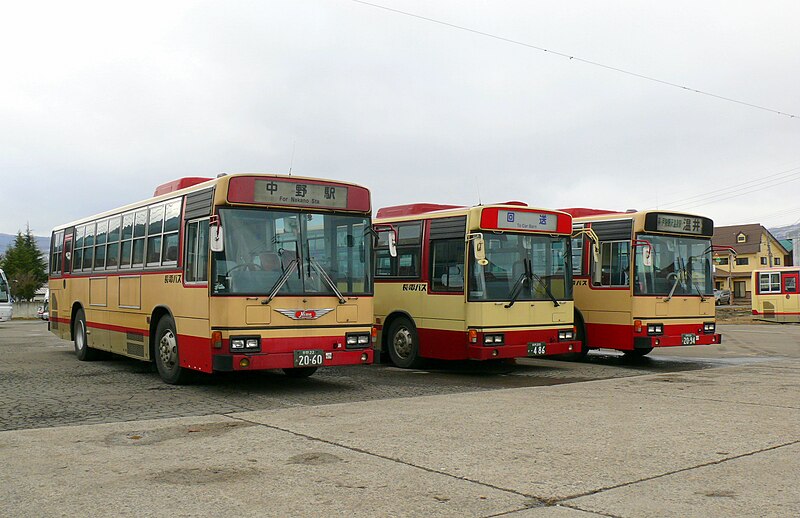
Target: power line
x,y
574,58
702,198
748,191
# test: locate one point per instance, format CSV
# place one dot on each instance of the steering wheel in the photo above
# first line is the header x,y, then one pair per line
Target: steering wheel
x,y
250,267
672,275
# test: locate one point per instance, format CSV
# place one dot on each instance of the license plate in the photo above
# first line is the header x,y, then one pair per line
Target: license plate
x,y
537,349
308,358
689,339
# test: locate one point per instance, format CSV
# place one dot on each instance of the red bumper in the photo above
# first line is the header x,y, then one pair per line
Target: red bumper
x,y
264,361
488,352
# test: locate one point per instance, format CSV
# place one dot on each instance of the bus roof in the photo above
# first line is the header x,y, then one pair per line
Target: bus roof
x,y
421,209
581,212
182,186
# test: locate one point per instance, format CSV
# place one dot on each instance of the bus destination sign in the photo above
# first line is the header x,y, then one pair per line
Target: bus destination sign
x,y
518,220
282,192
679,223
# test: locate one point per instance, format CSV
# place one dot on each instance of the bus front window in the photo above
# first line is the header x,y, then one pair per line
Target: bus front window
x,y
678,265
503,278
322,254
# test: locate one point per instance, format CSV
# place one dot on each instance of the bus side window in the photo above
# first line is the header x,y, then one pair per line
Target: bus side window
x,y
196,261
614,264
409,247
447,265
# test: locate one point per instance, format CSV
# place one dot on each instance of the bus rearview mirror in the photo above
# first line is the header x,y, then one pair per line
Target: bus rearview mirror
x,y
392,244
215,238
479,247
647,256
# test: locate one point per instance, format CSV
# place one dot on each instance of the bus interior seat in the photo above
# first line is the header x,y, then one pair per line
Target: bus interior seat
x,y
453,278
270,261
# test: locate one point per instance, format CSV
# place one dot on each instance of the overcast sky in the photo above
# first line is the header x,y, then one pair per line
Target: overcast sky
x,y
100,103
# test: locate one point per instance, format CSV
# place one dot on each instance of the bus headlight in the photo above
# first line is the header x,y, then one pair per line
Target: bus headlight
x,y
358,340
246,343
566,335
709,328
655,329
496,339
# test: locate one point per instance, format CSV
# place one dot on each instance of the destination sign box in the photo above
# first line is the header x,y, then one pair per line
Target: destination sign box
x,y
688,224
517,220
678,224
280,192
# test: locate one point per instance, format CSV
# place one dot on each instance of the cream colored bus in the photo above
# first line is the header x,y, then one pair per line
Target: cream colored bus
x,y
776,295
478,283
241,272
648,284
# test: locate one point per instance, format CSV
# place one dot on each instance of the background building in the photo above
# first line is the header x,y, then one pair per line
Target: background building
x,y
755,248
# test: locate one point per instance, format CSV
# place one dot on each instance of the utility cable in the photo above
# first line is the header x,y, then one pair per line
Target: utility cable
x,y
574,58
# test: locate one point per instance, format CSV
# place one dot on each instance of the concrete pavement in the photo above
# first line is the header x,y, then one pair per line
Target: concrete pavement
x,y
716,442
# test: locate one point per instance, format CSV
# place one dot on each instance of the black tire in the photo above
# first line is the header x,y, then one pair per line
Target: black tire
x,y
580,335
637,353
300,372
83,352
166,353
403,344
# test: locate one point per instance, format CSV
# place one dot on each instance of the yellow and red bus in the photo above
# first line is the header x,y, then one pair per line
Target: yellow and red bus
x,y
776,295
643,279
478,283
239,272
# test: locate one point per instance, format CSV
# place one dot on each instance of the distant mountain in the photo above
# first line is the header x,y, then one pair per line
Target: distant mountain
x,y
6,240
787,232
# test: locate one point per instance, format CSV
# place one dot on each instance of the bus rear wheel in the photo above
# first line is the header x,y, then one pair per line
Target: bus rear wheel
x,y
404,344
300,372
166,353
82,350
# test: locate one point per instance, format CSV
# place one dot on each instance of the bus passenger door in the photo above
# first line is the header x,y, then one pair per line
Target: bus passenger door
x,y
791,302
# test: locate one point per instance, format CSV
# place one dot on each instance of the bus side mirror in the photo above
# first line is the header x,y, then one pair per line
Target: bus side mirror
x,y
479,247
215,237
392,244
647,257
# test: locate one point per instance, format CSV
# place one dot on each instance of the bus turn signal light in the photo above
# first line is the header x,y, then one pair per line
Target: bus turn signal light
x,y
637,326
473,336
216,340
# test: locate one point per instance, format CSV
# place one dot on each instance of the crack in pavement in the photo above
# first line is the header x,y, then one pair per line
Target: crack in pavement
x,y
540,502
537,501
674,472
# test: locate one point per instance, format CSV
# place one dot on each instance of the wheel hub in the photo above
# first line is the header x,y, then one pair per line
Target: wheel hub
x,y
168,349
403,343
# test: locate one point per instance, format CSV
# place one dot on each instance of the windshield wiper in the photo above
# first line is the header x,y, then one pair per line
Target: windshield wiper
x,y
529,276
546,289
325,277
281,281
517,289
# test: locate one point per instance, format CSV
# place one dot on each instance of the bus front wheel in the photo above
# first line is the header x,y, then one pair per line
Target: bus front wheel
x,y
82,349
166,353
404,344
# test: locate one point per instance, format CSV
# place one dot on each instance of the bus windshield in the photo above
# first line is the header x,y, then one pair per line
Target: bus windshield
x,y
4,294
298,253
678,266
505,278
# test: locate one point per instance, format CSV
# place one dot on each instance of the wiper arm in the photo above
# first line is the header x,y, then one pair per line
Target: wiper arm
x,y
702,297
517,289
674,285
281,281
546,289
325,277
